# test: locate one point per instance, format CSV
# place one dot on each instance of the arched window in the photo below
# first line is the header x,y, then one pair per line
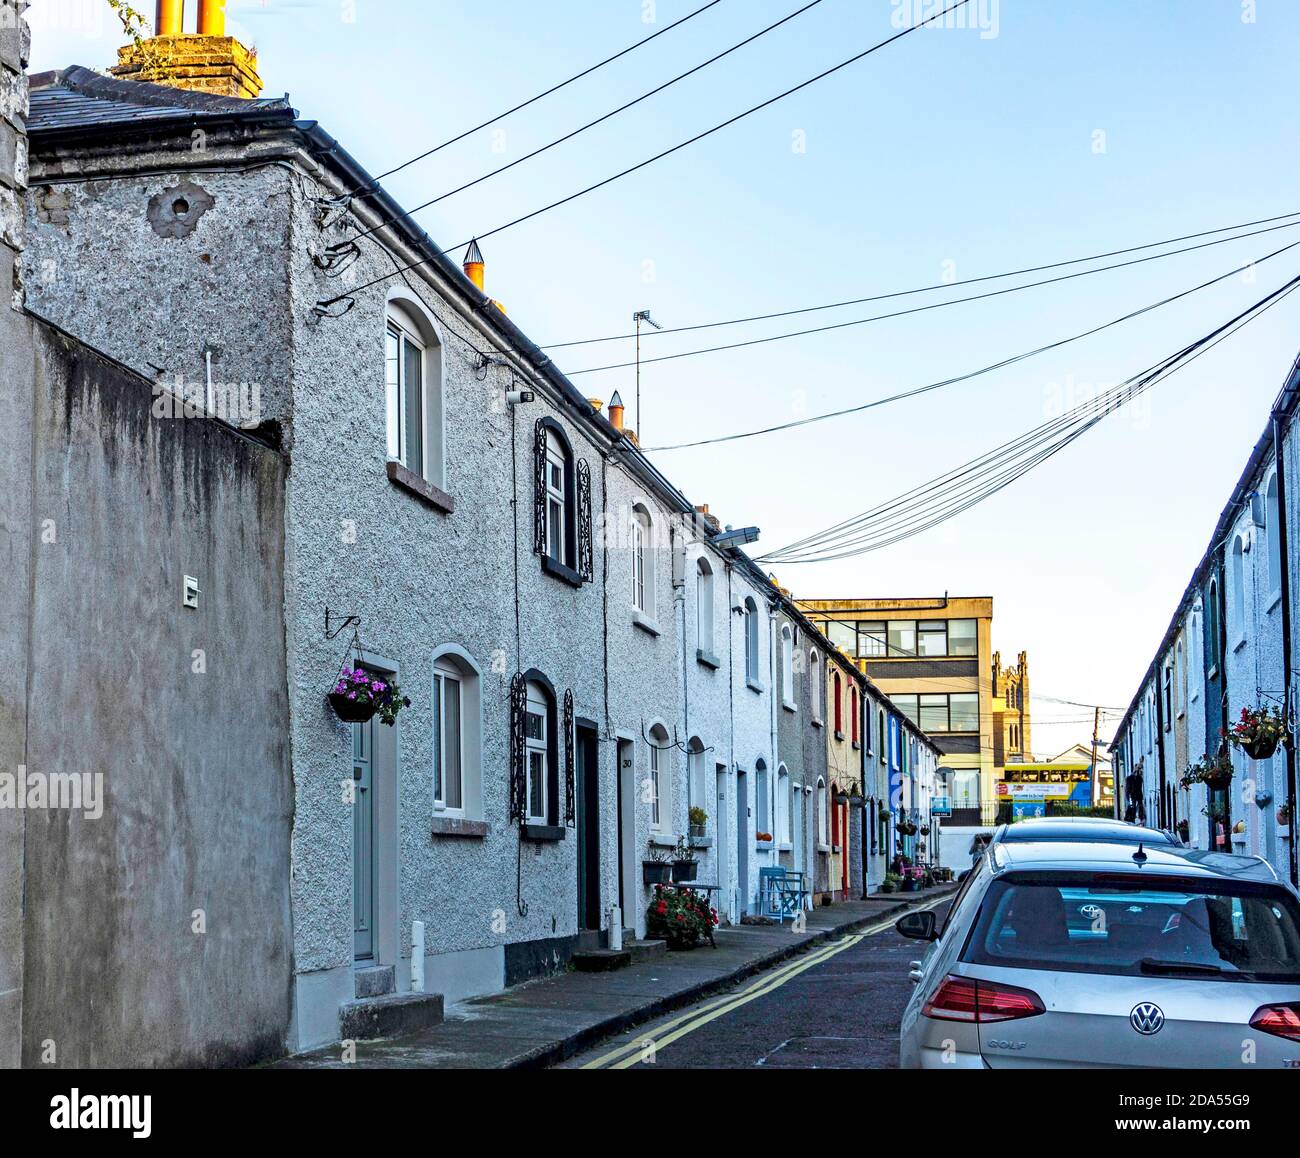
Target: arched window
x,y
815,689
787,665
882,737
561,505
1238,584
854,713
457,736
1212,640
643,571
762,798
413,388
823,816
660,786
540,753
704,606
1273,532
751,640
837,688
1180,678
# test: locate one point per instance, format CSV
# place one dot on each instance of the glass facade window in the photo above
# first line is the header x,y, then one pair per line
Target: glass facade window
x,y
964,712
963,637
934,714
842,635
873,640
932,638
902,639
908,706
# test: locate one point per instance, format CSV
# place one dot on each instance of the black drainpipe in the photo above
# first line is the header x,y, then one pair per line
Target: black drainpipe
x,y
1282,545
1162,809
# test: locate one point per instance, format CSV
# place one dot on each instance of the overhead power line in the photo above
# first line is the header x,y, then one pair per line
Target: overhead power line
x,y
592,124
932,306
914,512
933,288
664,153
968,376
540,96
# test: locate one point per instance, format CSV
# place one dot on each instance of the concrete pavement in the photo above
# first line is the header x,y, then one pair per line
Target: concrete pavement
x,y
544,1022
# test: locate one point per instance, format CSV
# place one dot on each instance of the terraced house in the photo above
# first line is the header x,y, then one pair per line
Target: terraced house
x,y
292,439
1229,649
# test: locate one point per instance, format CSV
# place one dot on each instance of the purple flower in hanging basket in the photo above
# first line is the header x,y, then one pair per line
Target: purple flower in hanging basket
x,y
366,690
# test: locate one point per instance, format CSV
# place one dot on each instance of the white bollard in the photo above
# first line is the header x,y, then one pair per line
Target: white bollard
x,y
616,928
417,956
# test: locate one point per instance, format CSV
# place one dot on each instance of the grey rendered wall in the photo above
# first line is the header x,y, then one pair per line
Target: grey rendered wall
x,y
16,367
183,712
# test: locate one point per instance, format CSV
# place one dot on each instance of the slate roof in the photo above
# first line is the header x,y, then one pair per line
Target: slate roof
x,y
76,99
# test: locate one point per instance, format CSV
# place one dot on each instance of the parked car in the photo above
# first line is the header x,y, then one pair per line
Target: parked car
x,y
1102,954
1090,829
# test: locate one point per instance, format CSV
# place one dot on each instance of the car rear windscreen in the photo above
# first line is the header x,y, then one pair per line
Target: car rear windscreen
x,y
1096,924
1084,834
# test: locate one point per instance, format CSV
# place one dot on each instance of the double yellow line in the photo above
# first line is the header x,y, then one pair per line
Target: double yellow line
x,y
645,1046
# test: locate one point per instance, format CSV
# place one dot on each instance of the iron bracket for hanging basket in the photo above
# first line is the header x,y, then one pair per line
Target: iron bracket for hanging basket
x,y
353,621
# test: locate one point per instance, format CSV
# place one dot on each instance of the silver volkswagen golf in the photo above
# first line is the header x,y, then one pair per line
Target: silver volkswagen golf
x,y
1082,955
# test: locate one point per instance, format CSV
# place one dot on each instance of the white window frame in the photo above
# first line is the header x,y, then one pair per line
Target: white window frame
x,y
752,642
443,674
816,690
408,322
704,606
643,578
783,829
1273,537
762,798
1239,602
557,500
539,704
823,817
787,666
661,800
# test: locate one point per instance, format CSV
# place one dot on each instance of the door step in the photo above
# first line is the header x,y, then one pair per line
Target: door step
x,y
589,940
374,981
602,960
389,1016
646,950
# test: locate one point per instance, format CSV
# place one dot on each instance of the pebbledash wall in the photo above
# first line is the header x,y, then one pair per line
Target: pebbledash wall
x,y
237,240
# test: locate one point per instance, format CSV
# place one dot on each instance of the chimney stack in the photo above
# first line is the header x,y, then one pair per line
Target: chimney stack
x,y
616,412
473,264
206,60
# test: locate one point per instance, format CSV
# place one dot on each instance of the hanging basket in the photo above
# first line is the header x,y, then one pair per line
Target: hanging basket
x,y
1262,748
352,711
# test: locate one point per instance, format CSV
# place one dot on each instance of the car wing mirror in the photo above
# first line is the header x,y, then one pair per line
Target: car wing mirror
x,y
917,926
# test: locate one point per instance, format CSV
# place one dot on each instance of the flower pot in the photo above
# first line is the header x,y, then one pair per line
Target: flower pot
x,y
699,831
352,711
685,870
911,885
656,872
1218,779
1261,748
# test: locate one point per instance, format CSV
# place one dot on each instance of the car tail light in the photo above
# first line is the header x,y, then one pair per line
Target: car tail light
x,y
965,999
1280,1020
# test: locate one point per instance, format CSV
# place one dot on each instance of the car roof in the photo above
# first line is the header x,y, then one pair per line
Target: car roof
x,y
1070,820
1161,860
1116,830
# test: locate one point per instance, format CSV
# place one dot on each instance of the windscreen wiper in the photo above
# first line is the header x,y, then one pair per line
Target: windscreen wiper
x,y
1151,965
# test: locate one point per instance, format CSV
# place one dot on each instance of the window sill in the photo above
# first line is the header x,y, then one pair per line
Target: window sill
x,y
785,846
754,686
856,746
839,735
1236,647
421,488
542,832
644,622
699,841
708,659
662,840
1274,602
762,844
789,707
459,826
561,571
1213,673
823,847
816,723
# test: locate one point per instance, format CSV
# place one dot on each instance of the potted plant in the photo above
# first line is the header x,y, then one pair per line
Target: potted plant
x,y
1258,731
680,917
906,828
841,797
657,867
891,883
699,820
1284,820
764,838
685,866
1218,772
359,696
1184,831
924,830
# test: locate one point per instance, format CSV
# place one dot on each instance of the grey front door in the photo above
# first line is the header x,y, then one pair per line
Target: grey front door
x,y
363,842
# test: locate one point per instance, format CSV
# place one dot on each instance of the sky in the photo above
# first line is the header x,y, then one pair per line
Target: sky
x,y
1036,131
